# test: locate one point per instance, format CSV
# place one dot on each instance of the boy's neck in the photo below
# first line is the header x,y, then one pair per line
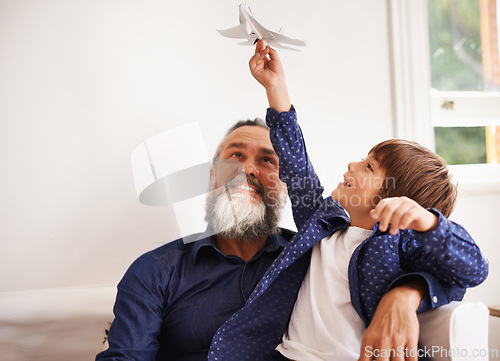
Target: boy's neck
x,y
362,221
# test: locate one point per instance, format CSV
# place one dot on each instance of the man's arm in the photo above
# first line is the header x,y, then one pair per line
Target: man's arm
x,y
138,314
395,325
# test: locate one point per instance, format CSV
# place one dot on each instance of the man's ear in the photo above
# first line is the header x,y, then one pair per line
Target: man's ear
x,y
283,194
212,174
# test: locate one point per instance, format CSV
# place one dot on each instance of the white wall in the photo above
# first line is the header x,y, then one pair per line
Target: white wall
x,y
84,82
478,209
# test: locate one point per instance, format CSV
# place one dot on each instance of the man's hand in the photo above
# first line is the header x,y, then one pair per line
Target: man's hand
x,y
266,68
403,213
394,329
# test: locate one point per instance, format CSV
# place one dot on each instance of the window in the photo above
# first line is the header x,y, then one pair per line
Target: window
x,y
465,79
431,103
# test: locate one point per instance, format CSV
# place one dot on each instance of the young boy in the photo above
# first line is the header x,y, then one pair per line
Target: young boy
x,y
397,200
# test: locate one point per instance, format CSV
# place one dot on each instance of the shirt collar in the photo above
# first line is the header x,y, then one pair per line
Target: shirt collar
x,y
207,239
333,216
275,242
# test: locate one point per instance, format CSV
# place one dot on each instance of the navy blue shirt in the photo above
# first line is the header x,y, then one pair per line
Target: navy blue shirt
x,y
172,300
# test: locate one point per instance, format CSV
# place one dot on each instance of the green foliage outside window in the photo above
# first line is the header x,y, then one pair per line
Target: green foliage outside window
x,y
455,45
461,145
456,65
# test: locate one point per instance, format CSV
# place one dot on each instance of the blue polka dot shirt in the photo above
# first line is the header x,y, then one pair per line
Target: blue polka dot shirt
x,y
446,258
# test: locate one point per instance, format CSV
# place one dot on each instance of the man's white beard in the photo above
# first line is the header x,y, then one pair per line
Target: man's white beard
x,y
241,216
235,213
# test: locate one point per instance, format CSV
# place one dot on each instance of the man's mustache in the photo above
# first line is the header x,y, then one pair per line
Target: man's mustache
x,y
250,180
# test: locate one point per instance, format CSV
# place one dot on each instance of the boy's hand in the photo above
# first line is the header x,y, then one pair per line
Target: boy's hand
x,y
266,68
403,213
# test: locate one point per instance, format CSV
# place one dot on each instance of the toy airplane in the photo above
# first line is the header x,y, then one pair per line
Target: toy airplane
x,y
252,30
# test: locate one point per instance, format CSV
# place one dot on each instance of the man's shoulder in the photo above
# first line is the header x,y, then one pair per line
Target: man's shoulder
x,y
172,251
178,246
161,262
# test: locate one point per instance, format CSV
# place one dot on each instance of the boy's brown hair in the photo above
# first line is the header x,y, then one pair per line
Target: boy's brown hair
x,y
417,173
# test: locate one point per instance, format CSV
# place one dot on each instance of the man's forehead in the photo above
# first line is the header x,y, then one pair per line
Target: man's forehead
x,y
248,136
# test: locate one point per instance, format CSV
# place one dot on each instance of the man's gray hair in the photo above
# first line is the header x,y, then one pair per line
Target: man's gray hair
x,y
257,122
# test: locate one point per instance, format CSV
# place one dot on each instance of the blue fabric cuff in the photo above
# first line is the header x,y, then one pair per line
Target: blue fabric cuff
x,y
274,118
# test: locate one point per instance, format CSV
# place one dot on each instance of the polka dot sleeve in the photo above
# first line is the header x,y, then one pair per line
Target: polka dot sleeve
x,y
448,251
296,170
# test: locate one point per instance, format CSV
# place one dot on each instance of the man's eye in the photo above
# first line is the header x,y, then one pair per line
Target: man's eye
x,y
236,155
268,160
369,166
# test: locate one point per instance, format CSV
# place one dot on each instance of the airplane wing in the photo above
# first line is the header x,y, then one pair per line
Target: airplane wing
x,y
251,30
276,44
270,35
248,42
236,33
272,42
285,39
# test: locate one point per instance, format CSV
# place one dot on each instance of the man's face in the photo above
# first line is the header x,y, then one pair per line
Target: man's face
x,y
248,149
246,194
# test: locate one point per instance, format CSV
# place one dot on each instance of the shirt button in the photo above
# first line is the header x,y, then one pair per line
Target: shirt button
x,y
434,299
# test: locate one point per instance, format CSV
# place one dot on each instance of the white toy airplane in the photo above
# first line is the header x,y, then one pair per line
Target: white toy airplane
x,y
252,30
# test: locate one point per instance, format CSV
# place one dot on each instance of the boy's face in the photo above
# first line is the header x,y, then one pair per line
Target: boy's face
x,y
359,191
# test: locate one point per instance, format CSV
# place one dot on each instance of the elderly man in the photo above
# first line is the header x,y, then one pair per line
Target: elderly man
x,y
172,300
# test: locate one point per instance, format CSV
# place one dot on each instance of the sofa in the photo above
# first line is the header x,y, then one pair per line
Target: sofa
x,y
68,324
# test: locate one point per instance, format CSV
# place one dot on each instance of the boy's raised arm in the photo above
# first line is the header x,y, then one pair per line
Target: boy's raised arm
x,y
295,169
266,68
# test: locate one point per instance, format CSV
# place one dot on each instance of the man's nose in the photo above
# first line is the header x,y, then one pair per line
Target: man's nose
x,y
250,168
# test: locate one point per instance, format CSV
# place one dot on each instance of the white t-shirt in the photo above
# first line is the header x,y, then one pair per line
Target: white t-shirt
x,y
324,324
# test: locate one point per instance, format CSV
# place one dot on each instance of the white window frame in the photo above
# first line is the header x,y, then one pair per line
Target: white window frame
x,y
417,109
